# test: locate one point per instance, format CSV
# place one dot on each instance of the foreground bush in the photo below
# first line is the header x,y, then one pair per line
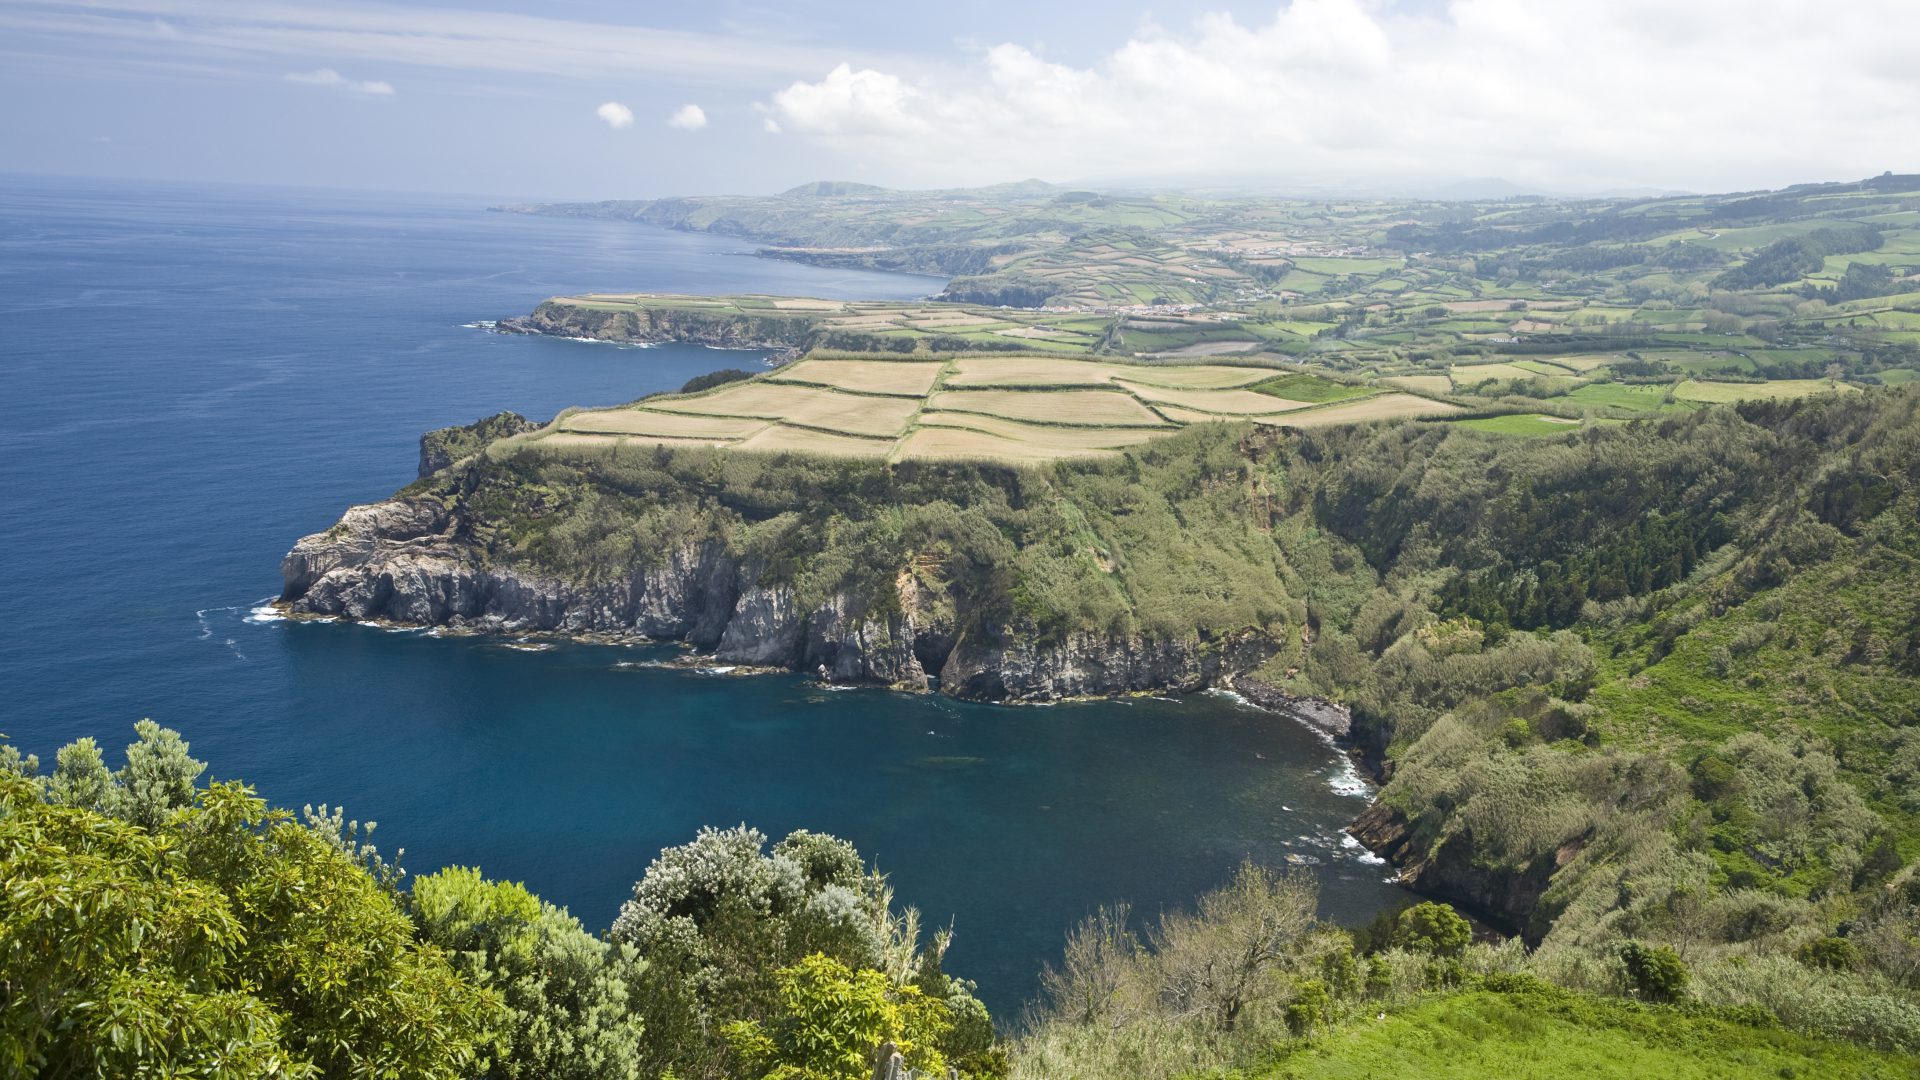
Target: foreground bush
x,y
226,941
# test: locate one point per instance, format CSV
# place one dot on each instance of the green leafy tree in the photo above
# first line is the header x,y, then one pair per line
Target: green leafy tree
x,y
1435,929
830,1021
1654,972
81,778
116,961
714,920
158,777
565,990
208,938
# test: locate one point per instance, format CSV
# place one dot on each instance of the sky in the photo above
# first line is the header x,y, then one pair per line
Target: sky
x,y
592,99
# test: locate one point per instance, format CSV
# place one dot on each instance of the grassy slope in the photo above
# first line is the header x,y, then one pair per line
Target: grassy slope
x,y
1479,1034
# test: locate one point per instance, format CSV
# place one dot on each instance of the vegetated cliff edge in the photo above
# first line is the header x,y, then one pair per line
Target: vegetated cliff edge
x,y
645,325
922,583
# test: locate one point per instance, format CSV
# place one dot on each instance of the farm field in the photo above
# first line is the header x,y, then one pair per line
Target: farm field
x,y
905,377
1097,408
1424,384
858,414
1529,424
1233,402
1695,390
779,437
662,424
1071,408
1380,407
1637,398
1466,376
1643,289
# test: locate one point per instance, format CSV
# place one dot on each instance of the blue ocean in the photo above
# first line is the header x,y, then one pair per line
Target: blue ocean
x,y
191,378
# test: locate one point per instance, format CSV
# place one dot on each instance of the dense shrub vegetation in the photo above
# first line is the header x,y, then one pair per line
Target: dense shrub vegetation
x,y
149,927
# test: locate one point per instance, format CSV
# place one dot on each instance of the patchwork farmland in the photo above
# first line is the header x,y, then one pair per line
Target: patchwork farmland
x,y
1015,408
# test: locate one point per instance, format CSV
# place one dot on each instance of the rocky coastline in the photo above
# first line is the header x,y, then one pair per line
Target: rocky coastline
x,y
786,336
408,561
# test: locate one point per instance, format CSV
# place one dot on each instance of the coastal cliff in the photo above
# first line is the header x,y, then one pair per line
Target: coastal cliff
x,y
412,561
648,325
992,582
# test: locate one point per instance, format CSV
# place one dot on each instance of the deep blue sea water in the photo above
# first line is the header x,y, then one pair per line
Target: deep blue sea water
x,y
192,378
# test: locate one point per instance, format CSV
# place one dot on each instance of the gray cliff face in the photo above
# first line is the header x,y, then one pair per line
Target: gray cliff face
x,y
1019,664
405,561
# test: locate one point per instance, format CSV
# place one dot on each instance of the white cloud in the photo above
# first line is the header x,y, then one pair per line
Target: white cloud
x,y
770,126
1584,94
448,38
688,118
331,78
855,103
615,114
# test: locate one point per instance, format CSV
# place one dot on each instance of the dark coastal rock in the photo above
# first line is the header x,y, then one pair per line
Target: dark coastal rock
x,y
1317,713
1505,897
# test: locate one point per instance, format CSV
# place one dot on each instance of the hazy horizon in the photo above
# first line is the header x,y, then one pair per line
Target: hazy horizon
x,y
587,99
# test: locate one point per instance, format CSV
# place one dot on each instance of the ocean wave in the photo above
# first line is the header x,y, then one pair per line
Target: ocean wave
x,y
1359,851
1346,780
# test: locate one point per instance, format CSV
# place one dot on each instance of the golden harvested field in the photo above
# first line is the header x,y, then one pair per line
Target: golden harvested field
x,y
941,321
802,304
672,425
1426,384
1195,376
1067,408
805,405
1383,407
1109,408
1694,390
1051,371
875,377
559,439
1194,416
780,437
1039,435
1027,371
1465,375
944,442
1236,402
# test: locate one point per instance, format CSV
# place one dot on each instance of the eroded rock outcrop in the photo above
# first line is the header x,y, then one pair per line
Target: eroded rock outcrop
x,y
1507,897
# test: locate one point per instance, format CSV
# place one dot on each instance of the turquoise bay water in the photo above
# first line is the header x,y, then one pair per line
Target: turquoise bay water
x,y
190,379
